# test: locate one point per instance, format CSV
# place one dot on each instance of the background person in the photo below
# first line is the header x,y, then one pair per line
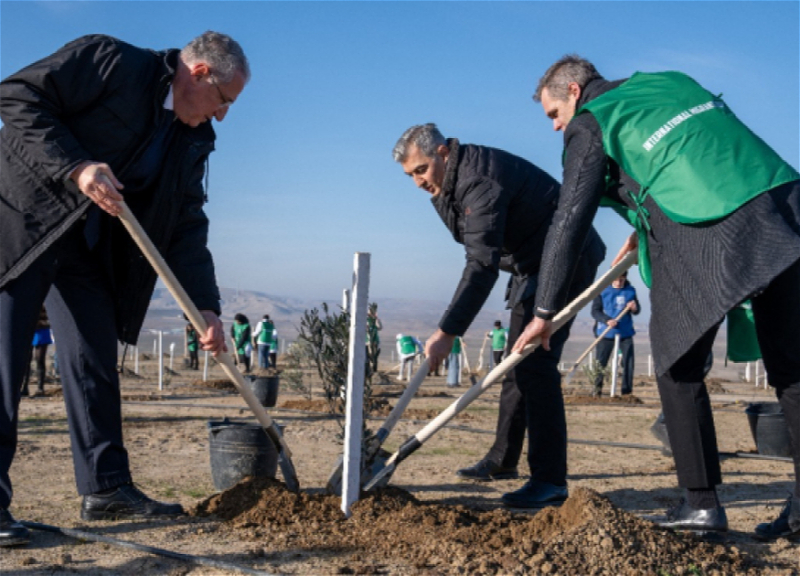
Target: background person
x,y
454,364
191,346
621,295
407,349
717,214
499,206
263,337
97,117
240,334
42,339
499,336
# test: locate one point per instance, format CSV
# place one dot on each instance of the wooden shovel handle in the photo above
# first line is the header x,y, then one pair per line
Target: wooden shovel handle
x,y
193,314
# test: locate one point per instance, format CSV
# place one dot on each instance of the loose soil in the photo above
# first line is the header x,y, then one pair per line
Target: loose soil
x,y
427,521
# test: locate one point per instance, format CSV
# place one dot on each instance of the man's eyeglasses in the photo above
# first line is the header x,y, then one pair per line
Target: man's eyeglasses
x,y
225,101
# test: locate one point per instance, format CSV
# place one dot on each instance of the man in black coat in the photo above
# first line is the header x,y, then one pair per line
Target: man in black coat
x,y
94,121
499,206
701,269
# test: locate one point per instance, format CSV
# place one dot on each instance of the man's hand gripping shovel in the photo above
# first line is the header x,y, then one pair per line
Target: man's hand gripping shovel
x,y
193,314
414,442
373,460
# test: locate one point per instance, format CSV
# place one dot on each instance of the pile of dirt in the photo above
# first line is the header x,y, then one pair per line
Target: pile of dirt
x,y
390,530
222,384
588,399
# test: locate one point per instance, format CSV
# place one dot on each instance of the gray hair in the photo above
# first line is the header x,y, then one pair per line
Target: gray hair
x,y
222,53
426,137
569,68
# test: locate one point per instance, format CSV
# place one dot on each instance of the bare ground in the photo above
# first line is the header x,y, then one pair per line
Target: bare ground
x,y
428,522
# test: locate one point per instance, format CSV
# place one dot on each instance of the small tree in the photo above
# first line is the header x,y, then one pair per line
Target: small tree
x,y
327,339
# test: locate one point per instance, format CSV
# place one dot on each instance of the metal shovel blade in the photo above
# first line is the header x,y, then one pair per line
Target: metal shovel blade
x,y
369,469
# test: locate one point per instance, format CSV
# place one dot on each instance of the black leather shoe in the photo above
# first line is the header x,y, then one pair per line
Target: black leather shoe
x,y
787,525
486,470
684,517
536,495
12,533
125,501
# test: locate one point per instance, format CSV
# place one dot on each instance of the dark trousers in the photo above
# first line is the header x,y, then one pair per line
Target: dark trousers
x,y
604,350
684,397
497,356
40,359
81,312
531,399
194,361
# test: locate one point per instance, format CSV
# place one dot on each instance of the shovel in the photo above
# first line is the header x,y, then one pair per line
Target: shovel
x,y
591,347
193,314
414,442
374,458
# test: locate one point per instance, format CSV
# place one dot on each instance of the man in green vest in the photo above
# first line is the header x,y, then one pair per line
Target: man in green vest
x,y
240,334
717,218
407,349
263,335
499,336
192,346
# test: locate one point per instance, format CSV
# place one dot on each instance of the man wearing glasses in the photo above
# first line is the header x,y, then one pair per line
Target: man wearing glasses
x,y
98,120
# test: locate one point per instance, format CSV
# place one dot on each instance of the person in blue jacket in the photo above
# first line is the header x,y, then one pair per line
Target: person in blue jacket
x,y
605,309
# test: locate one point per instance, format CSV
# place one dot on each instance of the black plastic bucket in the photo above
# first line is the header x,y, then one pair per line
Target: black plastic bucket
x,y
237,450
265,389
770,432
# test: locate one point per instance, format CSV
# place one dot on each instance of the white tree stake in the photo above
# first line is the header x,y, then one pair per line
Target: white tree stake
x,y
160,354
614,366
357,357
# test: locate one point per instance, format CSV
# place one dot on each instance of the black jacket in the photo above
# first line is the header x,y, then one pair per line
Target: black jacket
x,y
499,206
99,99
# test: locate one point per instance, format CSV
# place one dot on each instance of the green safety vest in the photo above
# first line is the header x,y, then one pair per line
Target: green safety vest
x,y
407,345
238,329
191,340
499,338
685,148
265,336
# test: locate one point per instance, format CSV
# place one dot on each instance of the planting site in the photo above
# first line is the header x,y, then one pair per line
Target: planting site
x,y
427,521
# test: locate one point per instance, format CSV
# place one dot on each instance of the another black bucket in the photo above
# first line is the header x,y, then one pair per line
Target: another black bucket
x,y
770,432
238,450
265,389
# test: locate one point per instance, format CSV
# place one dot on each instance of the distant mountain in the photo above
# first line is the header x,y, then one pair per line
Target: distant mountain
x,y
398,315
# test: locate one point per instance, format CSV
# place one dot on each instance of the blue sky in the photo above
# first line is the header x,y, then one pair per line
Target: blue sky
x,y
303,176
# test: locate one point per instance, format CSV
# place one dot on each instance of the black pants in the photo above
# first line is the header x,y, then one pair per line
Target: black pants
x,y
531,398
39,354
81,312
194,361
604,350
684,396
497,356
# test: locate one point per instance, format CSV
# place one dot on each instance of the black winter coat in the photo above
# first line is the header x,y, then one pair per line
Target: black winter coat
x,y
99,99
499,206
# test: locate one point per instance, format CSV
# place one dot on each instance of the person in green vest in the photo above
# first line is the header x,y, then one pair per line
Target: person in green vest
x,y
407,349
717,219
192,346
263,336
454,364
499,336
240,333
